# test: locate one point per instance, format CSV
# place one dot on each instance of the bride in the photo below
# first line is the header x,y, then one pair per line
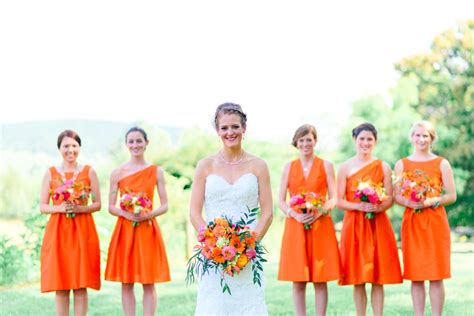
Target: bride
x,y
227,184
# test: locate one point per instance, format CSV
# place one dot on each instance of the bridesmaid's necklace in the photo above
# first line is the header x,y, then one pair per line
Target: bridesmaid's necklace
x,y
306,166
232,163
74,176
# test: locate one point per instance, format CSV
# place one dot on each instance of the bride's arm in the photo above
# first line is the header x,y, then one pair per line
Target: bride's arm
x,y
265,199
197,196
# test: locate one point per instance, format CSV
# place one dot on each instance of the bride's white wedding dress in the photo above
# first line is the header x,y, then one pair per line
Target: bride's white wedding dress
x,y
222,198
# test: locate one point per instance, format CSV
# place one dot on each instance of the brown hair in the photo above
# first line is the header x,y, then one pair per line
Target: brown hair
x,y
428,126
68,133
302,131
364,127
136,129
230,108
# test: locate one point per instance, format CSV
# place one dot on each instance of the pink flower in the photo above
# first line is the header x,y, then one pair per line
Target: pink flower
x,y
251,253
373,198
202,234
414,197
368,191
296,200
229,253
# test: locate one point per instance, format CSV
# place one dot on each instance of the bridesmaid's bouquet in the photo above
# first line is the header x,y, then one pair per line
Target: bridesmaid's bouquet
x,y
370,192
227,248
309,202
416,186
137,203
73,192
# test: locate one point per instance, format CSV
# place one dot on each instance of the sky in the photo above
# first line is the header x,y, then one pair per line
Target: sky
x,y
173,62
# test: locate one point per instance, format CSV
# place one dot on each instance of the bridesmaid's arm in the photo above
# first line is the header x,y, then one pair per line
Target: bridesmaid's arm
x,y
114,178
284,207
387,183
449,187
45,207
160,184
197,196
399,199
332,189
95,190
265,199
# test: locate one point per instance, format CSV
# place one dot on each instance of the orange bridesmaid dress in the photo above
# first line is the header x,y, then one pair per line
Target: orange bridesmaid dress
x,y
137,254
368,247
309,255
426,243
70,255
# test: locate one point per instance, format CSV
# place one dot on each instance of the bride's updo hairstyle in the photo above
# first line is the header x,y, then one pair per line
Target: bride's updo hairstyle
x,y
230,108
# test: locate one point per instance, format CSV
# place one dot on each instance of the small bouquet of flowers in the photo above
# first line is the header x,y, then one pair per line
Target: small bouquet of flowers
x,y
307,203
227,248
416,186
73,192
137,203
370,192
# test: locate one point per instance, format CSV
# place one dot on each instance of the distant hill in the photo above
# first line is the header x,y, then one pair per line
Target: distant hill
x,y
40,136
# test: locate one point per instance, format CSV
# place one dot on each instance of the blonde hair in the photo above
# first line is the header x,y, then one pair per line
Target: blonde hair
x,y
302,131
428,126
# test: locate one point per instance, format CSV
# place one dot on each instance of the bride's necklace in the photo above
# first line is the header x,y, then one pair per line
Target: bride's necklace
x,y
74,176
231,163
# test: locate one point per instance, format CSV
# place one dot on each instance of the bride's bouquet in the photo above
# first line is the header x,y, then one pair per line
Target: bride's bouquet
x,y
227,248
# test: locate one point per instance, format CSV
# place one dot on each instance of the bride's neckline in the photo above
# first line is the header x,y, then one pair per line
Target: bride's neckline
x,y
228,182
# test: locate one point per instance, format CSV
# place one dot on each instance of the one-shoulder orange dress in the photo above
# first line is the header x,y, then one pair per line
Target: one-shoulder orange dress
x,y
70,255
368,247
309,255
137,254
426,242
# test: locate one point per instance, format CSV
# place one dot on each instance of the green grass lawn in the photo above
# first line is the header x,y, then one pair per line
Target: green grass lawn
x,y
175,298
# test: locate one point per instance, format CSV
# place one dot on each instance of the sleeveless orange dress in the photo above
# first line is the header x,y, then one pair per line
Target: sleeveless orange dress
x,y
137,254
368,247
70,255
309,255
426,243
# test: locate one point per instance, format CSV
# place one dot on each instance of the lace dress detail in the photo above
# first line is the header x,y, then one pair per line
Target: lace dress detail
x,y
231,200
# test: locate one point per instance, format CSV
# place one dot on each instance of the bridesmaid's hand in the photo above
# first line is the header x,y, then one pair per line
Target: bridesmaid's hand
x,y
301,217
366,207
128,215
329,205
62,208
415,205
143,217
77,208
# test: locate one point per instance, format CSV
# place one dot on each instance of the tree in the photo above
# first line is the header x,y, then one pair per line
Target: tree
x,y
444,82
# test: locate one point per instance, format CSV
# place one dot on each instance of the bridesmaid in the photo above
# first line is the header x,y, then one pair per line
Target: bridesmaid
x,y
70,256
425,235
137,252
308,255
368,248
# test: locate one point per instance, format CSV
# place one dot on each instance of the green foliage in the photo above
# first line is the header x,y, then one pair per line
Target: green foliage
x,y
12,261
444,82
